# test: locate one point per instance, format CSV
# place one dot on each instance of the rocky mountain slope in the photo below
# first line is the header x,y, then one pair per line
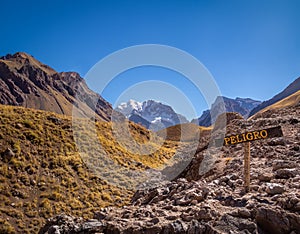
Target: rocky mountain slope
x,y
292,88
43,173
291,100
151,114
24,81
215,202
242,106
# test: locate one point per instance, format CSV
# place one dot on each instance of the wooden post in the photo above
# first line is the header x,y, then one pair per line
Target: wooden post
x,y
246,138
247,167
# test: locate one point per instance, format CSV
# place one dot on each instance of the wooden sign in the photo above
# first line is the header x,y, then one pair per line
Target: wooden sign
x,y
250,136
246,138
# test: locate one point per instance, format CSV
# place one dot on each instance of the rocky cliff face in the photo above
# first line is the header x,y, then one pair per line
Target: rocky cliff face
x,y
215,201
242,106
24,81
292,88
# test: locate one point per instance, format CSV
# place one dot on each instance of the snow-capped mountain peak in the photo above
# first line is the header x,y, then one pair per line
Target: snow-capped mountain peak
x,y
152,114
126,108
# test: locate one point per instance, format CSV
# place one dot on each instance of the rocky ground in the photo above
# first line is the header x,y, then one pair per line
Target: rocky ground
x,y
216,202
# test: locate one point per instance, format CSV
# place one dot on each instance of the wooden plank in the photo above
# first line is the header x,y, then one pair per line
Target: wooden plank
x,y
247,167
250,136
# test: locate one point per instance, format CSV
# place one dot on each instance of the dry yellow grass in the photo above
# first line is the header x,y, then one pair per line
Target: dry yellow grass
x,y
47,175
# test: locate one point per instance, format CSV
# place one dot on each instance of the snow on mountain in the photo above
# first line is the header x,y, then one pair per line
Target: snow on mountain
x,y
151,114
126,108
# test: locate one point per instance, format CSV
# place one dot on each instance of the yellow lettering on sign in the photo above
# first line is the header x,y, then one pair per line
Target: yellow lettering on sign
x,y
264,134
256,135
238,139
232,138
249,136
244,138
227,139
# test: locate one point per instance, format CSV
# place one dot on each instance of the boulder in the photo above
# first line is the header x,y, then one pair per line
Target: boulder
x,y
286,173
276,221
265,177
273,188
280,164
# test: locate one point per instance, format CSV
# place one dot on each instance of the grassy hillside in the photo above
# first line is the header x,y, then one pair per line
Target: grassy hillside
x,y
42,173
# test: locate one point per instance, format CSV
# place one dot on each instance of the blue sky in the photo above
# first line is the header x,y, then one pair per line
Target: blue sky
x,y
250,47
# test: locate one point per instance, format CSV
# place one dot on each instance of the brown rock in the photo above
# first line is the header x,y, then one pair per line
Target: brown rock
x,y
7,155
286,173
196,228
273,220
265,177
244,213
273,188
280,164
177,226
171,217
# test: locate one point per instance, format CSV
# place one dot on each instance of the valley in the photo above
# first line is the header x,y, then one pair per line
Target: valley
x,y
141,168
42,172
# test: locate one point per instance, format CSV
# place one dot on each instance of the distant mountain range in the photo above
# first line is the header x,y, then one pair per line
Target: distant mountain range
x,y
248,107
242,106
156,116
292,88
24,81
151,114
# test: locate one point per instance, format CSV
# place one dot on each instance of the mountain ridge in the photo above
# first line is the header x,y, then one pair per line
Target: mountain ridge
x,y
292,100
25,81
242,106
289,90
